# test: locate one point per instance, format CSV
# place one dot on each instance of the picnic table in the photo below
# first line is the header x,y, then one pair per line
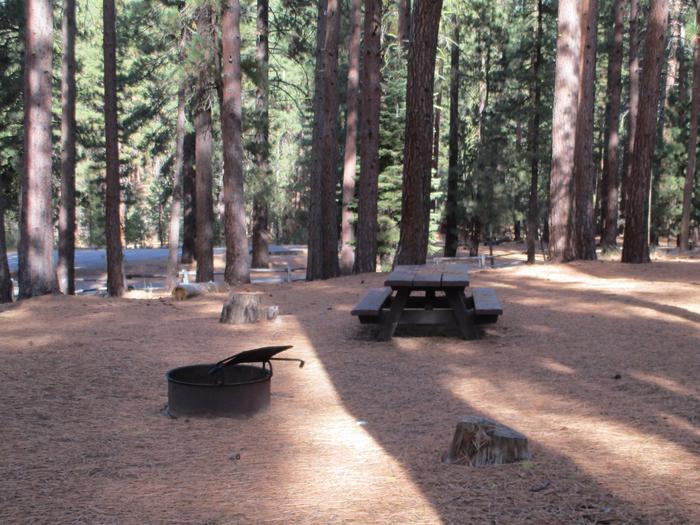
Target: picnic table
x,y
432,294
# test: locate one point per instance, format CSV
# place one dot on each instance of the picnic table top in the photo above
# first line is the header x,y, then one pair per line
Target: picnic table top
x,y
442,275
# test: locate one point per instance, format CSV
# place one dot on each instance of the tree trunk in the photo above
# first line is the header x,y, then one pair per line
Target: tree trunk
x,y
314,262
403,29
329,160
327,166
204,241
610,167
35,248
415,205
113,224
534,142
65,269
6,291
366,247
451,233
636,248
189,197
347,252
176,206
261,257
676,18
184,291
692,140
633,100
237,266
584,165
564,118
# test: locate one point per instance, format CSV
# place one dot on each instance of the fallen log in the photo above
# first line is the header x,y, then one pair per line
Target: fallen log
x,y
479,441
188,290
246,307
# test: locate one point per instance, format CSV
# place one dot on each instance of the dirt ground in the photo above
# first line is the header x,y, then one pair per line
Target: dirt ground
x,y
597,363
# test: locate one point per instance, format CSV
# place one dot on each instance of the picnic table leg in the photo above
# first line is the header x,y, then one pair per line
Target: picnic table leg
x,y
429,298
391,318
463,318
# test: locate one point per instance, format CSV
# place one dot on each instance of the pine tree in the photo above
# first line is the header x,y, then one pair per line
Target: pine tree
x,y
204,240
347,252
237,269
413,241
65,269
564,118
367,221
636,248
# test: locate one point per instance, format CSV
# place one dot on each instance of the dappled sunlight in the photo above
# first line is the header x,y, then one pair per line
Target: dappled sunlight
x,y
666,383
680,423
554,366
332,461
603,448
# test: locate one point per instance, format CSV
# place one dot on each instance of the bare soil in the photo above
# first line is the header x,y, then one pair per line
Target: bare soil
x,y
597,363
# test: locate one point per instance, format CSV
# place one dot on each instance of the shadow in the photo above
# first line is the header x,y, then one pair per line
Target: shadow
x,y
547,369
357,434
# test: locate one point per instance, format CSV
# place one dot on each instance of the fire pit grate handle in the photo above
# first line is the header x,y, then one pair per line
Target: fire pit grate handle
x,y
257,355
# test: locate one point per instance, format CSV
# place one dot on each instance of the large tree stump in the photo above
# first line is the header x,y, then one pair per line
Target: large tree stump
x,y
246,307
189,290
480,441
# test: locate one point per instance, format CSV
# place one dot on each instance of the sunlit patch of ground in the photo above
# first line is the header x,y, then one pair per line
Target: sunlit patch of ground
x,y
597,363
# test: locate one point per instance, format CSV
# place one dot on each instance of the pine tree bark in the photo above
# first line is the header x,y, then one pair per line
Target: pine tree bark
x,y
636,248
6,291
451,234
610,166
584,165
261,257
403,30
35,247
65,269
326,266
204,240
564,118
315,248
113,225
366,246
534,141
347,251
633,100
692,140
415,206
237,269
189,198
171,273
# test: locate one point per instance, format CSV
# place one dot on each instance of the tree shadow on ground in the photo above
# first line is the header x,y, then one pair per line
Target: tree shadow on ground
x,y
595,436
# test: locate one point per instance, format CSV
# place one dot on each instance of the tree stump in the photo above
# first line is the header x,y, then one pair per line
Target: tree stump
x,y
479,441
246,307
189,290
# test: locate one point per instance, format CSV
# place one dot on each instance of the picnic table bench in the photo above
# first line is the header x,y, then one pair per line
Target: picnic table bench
x,y
442,301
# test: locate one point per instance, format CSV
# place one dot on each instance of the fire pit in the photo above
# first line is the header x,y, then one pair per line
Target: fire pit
x,y
228,388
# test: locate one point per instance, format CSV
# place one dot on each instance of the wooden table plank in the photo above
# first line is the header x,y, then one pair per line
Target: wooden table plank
x,y
457,275
427,279
401,276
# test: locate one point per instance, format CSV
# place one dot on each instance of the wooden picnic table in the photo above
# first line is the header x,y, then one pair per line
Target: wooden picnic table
x,y
449,279
432,294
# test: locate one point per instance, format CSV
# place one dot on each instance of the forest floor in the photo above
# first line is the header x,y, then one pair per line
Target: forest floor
x,y
596,362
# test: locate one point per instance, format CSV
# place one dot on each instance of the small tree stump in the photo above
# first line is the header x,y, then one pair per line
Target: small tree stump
x,y
479,441
242,308
189,290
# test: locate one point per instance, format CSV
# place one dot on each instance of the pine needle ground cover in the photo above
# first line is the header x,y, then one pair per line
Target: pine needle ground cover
x,y
595,362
